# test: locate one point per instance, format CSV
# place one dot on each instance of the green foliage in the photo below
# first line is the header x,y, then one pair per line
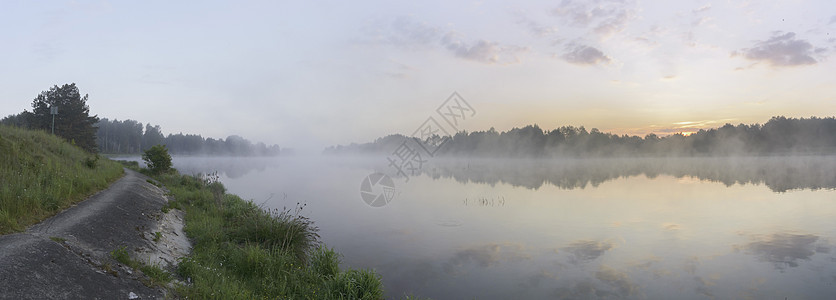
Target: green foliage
x,y
21,120
778,136
134,165
325,262
41,174
73,121
92,162
157,275
57,239
126,137
241,251
354,284
157,159
121,255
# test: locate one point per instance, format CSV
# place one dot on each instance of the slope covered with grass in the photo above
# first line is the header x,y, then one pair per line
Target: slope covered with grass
x,y
42,174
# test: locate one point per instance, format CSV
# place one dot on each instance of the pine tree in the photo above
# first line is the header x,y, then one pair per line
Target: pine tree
x,y
73,121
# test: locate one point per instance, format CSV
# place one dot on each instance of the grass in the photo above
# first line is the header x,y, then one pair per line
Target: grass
x,y
121,255
241,251
157,275
41,174
57,239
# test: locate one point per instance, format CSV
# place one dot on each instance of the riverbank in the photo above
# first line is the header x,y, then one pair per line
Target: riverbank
x,y
241,251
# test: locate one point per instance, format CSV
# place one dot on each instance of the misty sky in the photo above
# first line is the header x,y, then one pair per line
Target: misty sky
x,y
312,74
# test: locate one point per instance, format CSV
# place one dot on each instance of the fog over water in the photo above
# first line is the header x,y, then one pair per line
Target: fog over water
x,y
554,149
687,228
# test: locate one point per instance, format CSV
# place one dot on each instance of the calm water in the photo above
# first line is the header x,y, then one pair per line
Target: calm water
x,y
611,228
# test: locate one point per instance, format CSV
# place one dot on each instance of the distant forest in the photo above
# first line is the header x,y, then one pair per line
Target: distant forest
x,y
131,137
128,137
778,136
72,121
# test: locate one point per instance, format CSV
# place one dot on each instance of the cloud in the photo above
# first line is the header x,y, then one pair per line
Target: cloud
x,y
485,256
783,249
585,251
603,17
702,287
617,279
536,29
482,50
699,15
581,290
678,129
584,55
832,20
782,50
407,33
534,280
702,9
616,285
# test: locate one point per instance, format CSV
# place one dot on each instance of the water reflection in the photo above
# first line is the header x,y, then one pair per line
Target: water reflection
x,y
570,229
780,174
484,256
784,249
585,251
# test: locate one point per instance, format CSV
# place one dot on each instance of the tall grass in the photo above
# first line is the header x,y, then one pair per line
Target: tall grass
x,y
41,174
241,251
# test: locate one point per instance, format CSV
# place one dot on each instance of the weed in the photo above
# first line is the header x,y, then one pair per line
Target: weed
x,y
158,275
152,182
121,255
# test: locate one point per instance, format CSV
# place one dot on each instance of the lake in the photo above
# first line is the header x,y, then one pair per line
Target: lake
x,y
684,228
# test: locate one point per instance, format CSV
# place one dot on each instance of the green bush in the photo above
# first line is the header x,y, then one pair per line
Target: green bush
x,y
157,159
325,262
92,162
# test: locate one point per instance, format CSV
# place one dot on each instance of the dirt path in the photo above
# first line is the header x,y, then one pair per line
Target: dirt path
x,y
68,255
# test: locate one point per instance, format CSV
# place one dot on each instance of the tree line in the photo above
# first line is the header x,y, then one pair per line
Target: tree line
x,y
74,123
779,136
131,137
73,116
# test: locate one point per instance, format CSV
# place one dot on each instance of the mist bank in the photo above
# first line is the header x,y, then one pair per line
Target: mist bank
x,y
128,137
778,173
778,136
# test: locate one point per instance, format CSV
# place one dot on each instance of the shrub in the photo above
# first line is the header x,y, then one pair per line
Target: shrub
x,y
157,159
92,162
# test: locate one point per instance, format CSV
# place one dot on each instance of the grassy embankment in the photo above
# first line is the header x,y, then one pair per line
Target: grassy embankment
x,y
41,174
242,251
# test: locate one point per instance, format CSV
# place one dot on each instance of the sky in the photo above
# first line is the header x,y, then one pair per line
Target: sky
x,y
312,74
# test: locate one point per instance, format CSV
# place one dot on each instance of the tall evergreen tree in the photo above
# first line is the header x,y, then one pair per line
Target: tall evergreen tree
x,y
73,121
